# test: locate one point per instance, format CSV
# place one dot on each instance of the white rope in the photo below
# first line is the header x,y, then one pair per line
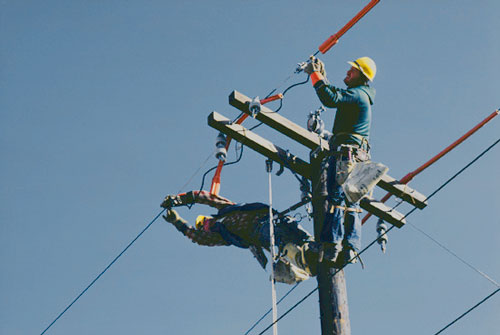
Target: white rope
x,y
272,247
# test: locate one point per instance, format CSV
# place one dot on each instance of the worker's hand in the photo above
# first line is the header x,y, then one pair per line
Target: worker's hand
x,y
174,218
171,201
315,65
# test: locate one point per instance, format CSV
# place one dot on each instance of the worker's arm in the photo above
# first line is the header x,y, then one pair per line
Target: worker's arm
x,y
199,197
331,96
200,237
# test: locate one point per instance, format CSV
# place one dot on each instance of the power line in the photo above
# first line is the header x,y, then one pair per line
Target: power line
x,y
491,280
468,311
386,232
197,171
270,310
130,244
103,271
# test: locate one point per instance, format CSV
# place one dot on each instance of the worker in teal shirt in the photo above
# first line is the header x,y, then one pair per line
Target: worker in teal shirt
x,y
349,144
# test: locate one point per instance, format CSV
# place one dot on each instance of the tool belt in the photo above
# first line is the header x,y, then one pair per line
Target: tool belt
x,y
360,152
352,151
365,145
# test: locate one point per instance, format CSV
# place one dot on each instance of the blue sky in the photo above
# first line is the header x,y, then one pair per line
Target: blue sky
x,y
103,109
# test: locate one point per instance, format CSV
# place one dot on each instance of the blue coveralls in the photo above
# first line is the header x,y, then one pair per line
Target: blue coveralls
x,y
351,127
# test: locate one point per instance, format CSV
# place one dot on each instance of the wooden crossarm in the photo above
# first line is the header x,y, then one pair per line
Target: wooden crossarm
x,y
382,211
259,144
403,191
279,122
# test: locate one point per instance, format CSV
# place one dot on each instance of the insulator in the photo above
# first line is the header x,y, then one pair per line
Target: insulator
x,y
381,226
315,123
382,236
220,143
221,154
255,106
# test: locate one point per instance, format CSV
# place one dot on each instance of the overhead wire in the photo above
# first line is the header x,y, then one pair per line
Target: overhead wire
x,y
270,310
468,311
386,232
103,271
197,171
161,212
484,275
123,251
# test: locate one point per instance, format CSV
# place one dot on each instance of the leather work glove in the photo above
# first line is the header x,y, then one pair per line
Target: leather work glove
x,y
174,218
315,65
171,201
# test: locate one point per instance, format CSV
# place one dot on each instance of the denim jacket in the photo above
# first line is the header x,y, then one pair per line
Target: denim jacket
x,y
353,111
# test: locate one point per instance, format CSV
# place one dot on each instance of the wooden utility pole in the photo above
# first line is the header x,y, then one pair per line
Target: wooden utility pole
x,y
334,311
333,307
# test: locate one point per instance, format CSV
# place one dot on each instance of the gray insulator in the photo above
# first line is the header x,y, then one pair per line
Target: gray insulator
x,y
221,154
316,124
220,143
382,237
255,106
381,226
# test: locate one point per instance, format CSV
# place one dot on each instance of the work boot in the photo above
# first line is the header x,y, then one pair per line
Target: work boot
x,y
259,255
350,256
328,252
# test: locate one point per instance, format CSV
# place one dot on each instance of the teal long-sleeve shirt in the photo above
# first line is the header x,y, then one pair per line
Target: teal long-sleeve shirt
x,y
354,113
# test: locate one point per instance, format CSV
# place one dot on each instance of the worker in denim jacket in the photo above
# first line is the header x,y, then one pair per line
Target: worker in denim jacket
x,y
348,144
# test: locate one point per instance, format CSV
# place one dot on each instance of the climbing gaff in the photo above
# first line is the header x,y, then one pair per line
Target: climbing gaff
x,y
406,179
332,40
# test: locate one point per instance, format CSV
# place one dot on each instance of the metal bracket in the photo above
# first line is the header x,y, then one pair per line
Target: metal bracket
x,y
281,170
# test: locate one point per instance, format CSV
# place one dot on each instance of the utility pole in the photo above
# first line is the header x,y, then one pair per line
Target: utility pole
x,y
333,307
334,311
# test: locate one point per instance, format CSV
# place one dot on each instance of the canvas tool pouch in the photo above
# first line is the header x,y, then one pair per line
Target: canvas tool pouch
x,y
362,179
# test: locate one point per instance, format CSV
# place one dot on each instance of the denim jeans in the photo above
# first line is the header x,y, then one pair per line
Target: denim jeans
x,y
341,227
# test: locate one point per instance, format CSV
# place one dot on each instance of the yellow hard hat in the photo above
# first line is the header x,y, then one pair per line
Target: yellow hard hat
x,y
200,220
366,65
